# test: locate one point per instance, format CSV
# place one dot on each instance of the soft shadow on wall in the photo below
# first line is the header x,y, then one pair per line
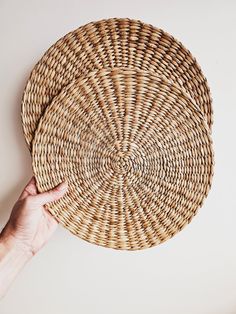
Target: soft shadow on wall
x,y
8,200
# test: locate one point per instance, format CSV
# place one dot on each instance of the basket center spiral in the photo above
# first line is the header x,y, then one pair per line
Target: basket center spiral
x,y
121,165
122,159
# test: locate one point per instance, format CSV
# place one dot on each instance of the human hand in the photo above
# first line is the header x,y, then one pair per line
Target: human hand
x,y
30,224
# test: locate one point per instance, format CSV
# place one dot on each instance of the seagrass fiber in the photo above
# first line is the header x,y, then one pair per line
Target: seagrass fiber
x,y
111,43
133,146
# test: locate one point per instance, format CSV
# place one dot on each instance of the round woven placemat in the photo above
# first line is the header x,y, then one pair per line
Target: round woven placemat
x,y
107,44
135,151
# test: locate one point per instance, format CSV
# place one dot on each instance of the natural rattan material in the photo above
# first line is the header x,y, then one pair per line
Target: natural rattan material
x,y
135,151
107,44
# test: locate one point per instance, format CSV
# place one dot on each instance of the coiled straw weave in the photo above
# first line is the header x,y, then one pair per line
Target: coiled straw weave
x,y
108,44
134,147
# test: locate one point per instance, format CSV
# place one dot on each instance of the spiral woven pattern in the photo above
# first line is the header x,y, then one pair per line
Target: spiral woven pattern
x,y
136,153
108,44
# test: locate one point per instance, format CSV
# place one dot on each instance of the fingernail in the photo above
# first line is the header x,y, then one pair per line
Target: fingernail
x,y
62,186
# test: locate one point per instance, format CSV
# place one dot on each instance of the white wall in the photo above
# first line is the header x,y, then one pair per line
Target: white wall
x,y
195,272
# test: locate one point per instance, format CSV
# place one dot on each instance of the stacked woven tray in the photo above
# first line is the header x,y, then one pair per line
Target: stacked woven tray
x,y
122,111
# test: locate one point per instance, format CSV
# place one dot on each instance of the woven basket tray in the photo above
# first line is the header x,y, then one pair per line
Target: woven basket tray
x,y
107,44
136,153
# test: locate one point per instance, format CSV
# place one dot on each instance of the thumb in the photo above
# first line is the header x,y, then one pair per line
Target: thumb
x,y
51,195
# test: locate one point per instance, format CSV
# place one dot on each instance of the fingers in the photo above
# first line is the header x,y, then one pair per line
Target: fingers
x,y
30,189
52,195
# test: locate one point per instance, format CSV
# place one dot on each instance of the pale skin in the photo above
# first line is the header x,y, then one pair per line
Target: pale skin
x,y
28,229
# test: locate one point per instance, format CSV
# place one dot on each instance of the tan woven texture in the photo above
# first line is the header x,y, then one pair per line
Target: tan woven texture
x,y
107,44
134,148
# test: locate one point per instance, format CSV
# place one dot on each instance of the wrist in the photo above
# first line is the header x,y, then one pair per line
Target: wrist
x,y
12,259
9,243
